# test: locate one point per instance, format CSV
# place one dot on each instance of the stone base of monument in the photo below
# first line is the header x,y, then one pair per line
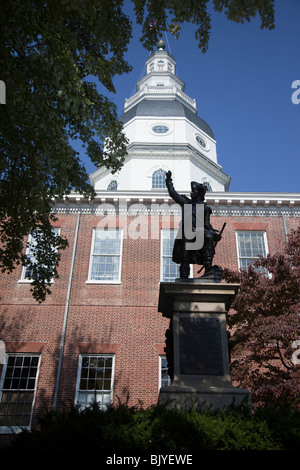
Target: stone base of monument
x,y
200,398
197,345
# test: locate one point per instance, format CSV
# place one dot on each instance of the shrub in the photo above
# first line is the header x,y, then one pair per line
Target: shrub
x,y
284,423
134,430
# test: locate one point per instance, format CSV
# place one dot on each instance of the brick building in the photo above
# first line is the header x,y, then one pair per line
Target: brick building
x,y
100,335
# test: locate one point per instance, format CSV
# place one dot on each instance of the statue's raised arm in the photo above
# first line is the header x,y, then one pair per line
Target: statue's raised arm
x,y
180,199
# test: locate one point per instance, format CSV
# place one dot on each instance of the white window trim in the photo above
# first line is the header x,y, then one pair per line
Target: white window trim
x,y
163,256
237,243
160,358
17,429
79,375
115,181
24,280
160,134
162,174
150,173
105,281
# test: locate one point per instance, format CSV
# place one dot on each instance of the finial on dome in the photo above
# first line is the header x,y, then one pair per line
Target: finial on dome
x,y
161,45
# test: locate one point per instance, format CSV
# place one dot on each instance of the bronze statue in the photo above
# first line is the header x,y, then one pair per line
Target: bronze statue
x,y
203,256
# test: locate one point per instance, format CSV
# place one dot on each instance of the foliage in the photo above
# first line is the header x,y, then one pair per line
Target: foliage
x,y
170,15
157,429
265,325
52,55
284,422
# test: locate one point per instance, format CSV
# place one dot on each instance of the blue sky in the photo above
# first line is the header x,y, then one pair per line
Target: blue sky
x,y
243,89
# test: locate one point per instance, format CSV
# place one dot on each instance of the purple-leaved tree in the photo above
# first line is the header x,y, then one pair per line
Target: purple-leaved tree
x,y
265,326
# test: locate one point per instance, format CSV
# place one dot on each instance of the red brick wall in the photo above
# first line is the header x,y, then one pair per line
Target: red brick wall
x,y
107,318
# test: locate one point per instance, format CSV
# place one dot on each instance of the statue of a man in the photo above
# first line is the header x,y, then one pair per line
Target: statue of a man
x,y
203,256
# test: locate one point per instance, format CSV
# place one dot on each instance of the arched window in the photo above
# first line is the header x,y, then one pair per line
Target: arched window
x,y
113,186
159,179
207,184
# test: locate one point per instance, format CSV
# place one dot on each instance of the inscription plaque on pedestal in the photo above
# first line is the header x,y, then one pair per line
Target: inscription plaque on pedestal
x,y
200,346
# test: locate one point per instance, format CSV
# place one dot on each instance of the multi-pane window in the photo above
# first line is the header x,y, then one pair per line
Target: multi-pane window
x,y
159,179
32,245
18,390
105,265
113,186
169,269
95,380
164,378
160,129
250,245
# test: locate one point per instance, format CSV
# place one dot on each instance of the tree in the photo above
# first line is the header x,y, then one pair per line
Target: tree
x,y
52,55
49,53
170,15
265,325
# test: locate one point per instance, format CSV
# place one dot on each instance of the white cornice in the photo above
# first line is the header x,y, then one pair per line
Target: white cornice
x,y
182,151
222,203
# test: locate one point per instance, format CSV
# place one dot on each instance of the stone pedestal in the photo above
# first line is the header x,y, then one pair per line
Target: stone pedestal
x,y
198,344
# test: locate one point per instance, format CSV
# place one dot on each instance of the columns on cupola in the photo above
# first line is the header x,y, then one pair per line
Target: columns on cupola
x,y
161,61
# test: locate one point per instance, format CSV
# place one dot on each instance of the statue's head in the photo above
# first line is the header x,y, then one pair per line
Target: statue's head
x,y
198,190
